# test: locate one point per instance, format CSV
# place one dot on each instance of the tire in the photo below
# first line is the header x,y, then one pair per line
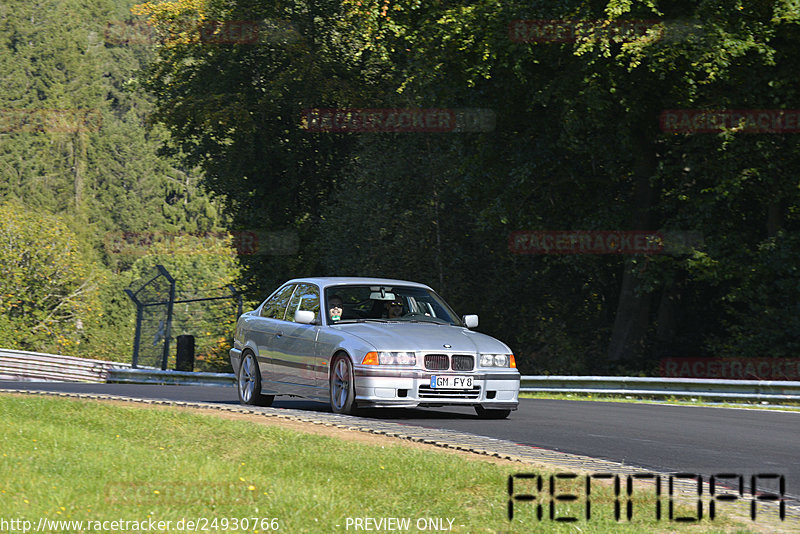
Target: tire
x,y
342,386
488,413
248,383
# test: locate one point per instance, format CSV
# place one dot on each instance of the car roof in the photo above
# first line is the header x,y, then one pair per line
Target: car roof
x,y
327,281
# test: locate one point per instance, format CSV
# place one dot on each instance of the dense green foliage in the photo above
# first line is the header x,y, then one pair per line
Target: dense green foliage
x,y
80,167
45,282
576,146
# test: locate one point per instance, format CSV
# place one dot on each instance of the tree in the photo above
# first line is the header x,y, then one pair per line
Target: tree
x,y
74,130
235,110
577,145
75,144
47,288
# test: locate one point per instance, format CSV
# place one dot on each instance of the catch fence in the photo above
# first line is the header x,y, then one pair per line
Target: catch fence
x,y
165,311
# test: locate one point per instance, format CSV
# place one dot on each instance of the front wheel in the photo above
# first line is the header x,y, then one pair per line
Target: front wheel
x,y
248,383
342,386
488,413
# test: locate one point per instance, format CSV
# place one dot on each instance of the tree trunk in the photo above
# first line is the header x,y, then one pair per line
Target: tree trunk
x,y
633,308
667,317
774,218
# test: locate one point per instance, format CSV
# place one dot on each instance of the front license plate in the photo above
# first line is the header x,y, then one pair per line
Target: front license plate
x,y
451,382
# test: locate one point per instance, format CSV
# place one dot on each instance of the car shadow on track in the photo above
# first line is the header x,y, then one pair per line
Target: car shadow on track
x,y
404,414
415,413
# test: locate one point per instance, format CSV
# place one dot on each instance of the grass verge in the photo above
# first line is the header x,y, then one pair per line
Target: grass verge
x,y
691,401
99,463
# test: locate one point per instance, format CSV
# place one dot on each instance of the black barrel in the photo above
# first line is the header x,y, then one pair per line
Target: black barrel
x,y
184,360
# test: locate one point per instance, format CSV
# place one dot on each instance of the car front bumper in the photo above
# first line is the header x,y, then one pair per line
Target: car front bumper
x,y
386,387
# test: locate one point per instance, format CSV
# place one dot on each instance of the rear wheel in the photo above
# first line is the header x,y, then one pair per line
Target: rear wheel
x,y
248,383
342,386
488,413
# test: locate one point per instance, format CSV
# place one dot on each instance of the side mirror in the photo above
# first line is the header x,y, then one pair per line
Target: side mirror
x,y
304,316
470,321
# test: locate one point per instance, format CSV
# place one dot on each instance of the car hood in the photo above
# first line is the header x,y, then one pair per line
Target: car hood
x,y
426,337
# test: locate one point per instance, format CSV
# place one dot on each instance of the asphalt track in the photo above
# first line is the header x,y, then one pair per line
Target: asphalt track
x,y
657,437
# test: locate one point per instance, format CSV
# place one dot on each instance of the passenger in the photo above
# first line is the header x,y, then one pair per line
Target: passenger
x,y
335,308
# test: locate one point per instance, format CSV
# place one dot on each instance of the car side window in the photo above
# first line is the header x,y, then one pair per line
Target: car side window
x,y
306,298
275,307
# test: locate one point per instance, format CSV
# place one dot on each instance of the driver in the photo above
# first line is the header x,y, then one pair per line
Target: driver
x,y
335,308
394,308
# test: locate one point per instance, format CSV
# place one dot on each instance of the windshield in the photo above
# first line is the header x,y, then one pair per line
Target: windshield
x,y
359,303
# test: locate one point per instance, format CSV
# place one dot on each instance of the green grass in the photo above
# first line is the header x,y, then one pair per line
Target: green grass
x,y
66,459
690,401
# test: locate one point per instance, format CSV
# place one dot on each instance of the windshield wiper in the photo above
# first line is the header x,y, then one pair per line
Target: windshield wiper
x,y
360,321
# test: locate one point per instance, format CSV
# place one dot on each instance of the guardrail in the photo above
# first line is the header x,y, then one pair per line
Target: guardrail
x,y
753,390
156,376
36,366
28,366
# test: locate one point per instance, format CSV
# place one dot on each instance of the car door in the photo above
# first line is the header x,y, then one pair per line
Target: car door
x,y
296,356
265,331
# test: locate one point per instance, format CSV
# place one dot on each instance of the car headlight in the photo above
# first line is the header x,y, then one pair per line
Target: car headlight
x,y
390,358
498,360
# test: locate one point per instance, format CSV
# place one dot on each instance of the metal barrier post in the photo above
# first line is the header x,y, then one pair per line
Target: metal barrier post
x,y
167,333
138,335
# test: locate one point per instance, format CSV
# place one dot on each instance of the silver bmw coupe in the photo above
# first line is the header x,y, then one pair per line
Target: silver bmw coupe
x,y
370,342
